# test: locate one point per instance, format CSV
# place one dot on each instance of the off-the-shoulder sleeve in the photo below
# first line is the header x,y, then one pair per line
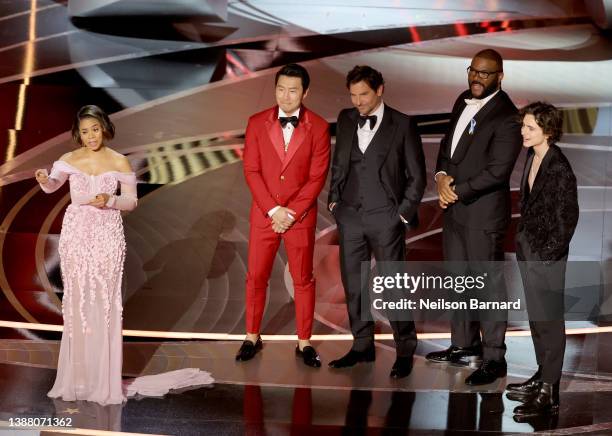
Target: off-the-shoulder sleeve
x,y
128,198
59,175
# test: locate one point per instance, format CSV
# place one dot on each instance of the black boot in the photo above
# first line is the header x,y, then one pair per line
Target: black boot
x,y
519,391
545,402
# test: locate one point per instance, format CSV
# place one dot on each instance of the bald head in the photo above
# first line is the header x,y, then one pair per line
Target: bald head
x,y
491,55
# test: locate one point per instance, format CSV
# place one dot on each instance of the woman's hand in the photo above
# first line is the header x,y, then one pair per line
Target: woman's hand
x,y
99,201
42,176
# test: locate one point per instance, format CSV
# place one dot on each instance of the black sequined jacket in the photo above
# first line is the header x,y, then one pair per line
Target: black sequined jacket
x,y
549,213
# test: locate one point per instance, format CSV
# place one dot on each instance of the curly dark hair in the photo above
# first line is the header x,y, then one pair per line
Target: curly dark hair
x,y
366,73
548,117
92,111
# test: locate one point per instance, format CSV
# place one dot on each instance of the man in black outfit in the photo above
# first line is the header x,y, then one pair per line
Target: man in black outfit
x,y
377,182
549,215
473,171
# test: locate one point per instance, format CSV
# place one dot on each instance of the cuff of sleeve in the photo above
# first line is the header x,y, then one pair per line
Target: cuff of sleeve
x,y
273,211
403,219
439,172
48,187
464,192
111,201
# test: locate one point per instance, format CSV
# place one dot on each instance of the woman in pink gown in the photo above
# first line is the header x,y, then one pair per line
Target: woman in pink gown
x,y
92,254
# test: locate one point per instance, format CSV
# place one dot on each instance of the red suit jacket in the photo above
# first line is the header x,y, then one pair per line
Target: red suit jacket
x,y
293,179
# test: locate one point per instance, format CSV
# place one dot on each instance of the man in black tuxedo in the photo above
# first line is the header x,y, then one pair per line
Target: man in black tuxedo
x,y
473,171
377,182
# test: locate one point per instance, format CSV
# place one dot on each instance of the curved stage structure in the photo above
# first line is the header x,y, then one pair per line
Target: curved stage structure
x,y
180,91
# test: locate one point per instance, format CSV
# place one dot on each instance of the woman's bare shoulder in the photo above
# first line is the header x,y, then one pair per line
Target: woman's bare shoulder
x,y
121,161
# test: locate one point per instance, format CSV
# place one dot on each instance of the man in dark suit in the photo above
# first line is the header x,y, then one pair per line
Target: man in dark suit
x,y
377,182
473,171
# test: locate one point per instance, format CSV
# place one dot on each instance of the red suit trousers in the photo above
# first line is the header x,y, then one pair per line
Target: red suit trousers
x,y
263,246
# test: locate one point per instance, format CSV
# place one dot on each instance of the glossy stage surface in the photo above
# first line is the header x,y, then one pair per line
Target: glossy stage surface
x,y
180,89
275,394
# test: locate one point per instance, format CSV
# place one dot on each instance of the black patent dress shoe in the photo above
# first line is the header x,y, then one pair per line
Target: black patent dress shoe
x,y
519,391
489,371
353,357
401,368
456,355
248,350
546,402
309,355
539,422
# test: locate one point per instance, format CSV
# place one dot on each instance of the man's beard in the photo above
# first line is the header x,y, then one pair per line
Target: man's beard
x,y
487,90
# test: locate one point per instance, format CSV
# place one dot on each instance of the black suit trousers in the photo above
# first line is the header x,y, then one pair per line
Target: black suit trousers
x,y
474,246
543,284
381,233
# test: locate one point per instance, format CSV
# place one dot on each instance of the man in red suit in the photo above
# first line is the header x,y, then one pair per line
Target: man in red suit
x,y
286,158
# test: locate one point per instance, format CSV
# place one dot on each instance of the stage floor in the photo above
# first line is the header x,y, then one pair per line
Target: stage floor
x,y
276,394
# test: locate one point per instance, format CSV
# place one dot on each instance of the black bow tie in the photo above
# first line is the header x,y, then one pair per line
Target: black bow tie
x,y
293,120
364,118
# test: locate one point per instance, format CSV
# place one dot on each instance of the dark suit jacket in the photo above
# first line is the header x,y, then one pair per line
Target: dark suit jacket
x,y
549,213
400,156
482,163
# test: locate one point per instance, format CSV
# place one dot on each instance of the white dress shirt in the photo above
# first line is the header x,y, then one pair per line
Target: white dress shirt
x,y
287,132
365,133
288,129
468,114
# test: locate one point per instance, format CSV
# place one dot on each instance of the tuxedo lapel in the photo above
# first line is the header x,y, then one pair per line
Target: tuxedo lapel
x,y
383,138
525,177
275,132
346,138
298,136
453,125
466,137
525,182
540,179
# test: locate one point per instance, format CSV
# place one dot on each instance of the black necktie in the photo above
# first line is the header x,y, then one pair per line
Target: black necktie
x,y
284,120
364,118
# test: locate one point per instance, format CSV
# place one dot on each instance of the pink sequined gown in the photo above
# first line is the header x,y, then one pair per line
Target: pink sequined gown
x,y
92,254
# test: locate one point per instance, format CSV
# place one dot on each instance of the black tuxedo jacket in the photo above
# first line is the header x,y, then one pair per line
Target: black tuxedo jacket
x,y
482,163
549,213
400,156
